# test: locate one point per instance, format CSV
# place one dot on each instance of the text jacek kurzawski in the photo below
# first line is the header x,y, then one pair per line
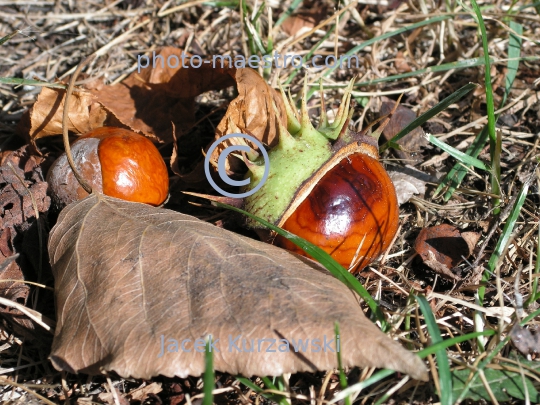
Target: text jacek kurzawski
x,y
239,344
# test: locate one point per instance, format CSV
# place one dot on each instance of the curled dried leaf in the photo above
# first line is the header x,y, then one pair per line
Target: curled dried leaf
x,y
408,182
304,19
163,94
443,247
20,180
413,143
84,113
252,113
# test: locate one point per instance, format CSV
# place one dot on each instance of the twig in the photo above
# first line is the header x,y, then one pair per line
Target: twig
x,y
30,313
84,184
5,381
103,50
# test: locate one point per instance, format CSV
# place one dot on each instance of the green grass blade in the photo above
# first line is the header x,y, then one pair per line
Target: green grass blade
x,y
391,34
8,37
277,398
208,376
445,377
230,4
508,227
250,384
255,388
269,385
353,389
294,5
257,44
342,376
457,154
326,260
442,105
456,175
442,345
490,105
462,64
505,237
259,12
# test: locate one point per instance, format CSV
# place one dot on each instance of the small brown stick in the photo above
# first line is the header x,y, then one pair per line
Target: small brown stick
x,y
85,62
84,184
5,382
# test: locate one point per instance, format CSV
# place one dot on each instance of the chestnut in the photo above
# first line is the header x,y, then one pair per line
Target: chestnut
x,y
327,186
114,161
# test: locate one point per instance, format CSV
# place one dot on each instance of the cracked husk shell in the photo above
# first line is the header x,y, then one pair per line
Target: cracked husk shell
x,y
335,195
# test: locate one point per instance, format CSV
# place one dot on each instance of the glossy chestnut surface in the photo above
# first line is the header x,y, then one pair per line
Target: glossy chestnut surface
x,y
131,166
353,205
115,161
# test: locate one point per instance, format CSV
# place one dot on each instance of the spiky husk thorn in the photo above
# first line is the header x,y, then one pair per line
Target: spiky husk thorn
x,y
296,161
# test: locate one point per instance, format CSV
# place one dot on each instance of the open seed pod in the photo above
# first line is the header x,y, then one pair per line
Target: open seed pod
x,y
327,186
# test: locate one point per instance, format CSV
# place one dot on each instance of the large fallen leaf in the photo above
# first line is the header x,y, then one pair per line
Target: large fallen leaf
x,y
132,280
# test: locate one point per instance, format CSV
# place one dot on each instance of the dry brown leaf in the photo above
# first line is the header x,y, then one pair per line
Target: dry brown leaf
x,y
132,280
524,340
18,214
140,394
252,113
304,19
18,224
84,113
408,182
153,100
110,398
439,267
413,143
148,102
401,63
443,247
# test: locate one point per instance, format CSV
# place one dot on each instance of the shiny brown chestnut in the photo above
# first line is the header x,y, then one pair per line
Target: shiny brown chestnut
x,y
352,213
115,161
327,186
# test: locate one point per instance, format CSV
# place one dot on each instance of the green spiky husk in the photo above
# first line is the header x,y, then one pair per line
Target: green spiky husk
x,y
294,160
